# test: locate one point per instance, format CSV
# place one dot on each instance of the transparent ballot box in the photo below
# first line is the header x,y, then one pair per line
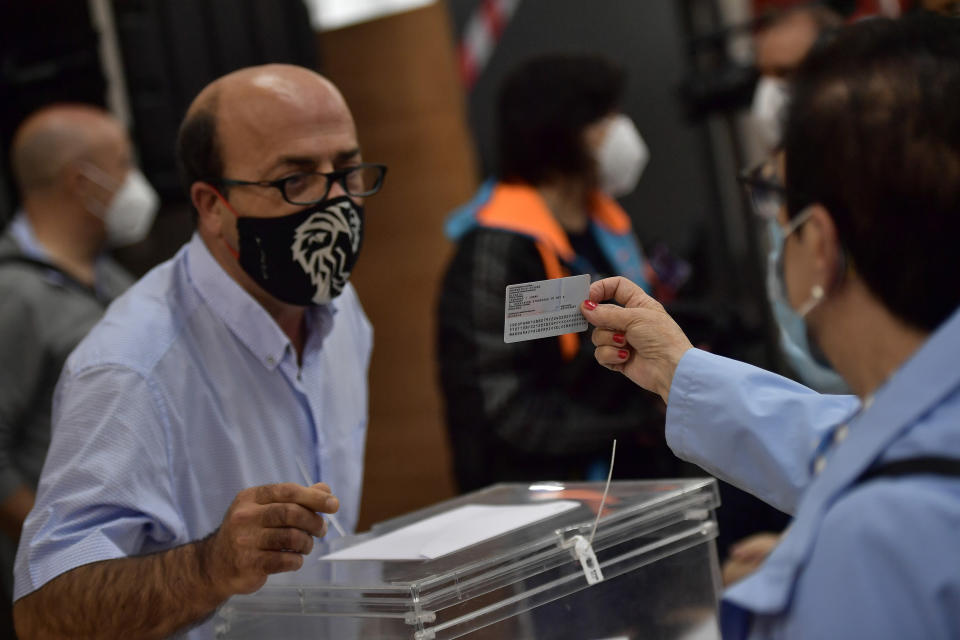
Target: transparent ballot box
x,y
511,561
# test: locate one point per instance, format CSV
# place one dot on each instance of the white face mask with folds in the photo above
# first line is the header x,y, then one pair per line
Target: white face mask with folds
x,y
621,157
129,214
769,110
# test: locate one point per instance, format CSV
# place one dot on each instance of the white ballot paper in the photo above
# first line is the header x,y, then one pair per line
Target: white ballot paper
x,y
545,308
451,531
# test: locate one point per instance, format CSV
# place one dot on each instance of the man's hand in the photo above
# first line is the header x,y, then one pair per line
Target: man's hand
x,y
266,530
639,339
747,555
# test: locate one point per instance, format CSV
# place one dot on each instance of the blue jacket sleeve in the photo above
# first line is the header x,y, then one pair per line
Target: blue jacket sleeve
x,y
750,427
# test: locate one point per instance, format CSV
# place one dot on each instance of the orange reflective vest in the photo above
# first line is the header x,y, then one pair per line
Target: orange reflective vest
x,y
520,209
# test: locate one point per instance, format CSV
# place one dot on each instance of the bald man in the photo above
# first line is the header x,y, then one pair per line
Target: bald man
x,y
187,420
70,163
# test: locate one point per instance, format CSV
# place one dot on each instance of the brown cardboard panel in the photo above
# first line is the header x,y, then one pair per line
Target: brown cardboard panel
x,y
399,76
401,67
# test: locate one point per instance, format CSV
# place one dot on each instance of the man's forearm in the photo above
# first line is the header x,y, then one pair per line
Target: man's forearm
x,y
144,597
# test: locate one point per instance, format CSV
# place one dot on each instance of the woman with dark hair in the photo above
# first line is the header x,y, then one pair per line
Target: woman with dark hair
x,y
534,410
864,206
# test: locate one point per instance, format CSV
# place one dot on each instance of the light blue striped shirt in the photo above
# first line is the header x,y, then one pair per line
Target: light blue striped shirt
x,y
184,394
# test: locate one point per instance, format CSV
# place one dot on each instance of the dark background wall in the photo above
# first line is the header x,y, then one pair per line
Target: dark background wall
x,y
172,48
169,50
48,53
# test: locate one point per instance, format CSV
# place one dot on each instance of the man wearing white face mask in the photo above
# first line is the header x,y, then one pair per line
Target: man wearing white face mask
x,y
80,192
781,46
521,411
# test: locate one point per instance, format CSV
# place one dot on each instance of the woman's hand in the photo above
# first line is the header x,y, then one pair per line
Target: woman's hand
x,y
639,339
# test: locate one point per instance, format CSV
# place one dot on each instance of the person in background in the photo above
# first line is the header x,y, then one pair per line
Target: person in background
x,y
780,45
81,194
533,410
186,421
869,190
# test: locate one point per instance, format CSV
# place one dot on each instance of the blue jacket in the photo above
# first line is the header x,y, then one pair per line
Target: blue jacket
x,y
877,559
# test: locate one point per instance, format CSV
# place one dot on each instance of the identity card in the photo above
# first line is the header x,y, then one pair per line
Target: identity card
x,y
545,308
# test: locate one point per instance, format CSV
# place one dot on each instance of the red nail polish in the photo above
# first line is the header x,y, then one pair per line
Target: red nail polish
x,y
590,304
619,338
623,353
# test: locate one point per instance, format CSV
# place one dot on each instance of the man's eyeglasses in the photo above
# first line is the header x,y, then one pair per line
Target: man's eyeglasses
x,y
360,180
765,189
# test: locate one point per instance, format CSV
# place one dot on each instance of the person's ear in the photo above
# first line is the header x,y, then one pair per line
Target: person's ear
x,y
594,133
81,188
206,201
820,239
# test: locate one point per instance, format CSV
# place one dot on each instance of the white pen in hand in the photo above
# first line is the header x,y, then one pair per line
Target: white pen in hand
x,y
332,518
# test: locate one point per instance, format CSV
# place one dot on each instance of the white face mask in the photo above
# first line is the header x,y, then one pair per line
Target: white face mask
x,y
129,215
621,157
769,109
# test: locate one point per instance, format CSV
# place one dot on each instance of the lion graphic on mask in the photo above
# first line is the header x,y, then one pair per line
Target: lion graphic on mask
x,y
325,246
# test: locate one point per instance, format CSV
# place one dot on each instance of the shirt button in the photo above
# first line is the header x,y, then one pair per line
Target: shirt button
x,y
271,360
841,434
819,464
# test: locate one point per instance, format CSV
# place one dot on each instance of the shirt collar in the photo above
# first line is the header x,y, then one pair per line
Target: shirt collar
x,y
920,384
23,234
244,316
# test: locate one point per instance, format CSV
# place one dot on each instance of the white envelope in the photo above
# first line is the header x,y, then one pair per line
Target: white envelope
x,y
451,531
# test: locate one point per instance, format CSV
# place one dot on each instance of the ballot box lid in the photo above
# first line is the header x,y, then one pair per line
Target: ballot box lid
x,y
450,589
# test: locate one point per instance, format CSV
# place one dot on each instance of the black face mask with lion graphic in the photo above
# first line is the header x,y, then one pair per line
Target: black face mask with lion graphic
x,y
306,257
